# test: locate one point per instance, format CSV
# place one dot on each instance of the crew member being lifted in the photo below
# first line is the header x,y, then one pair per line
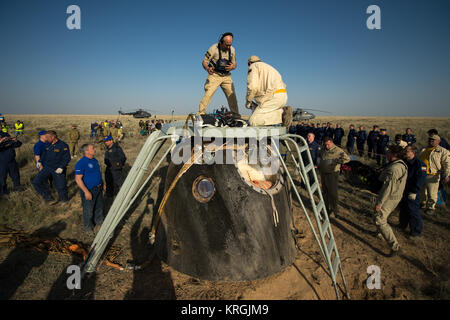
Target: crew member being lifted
x,y
266,87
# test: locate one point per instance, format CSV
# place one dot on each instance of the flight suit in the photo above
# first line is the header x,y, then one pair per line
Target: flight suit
x,y
74,137
54,156
266,87
114,160
382,143
300,130
314,149
329,167
410,204
394,181
351,137
292,129
94,128
338,135
437,161
218,79
320,133
409,139
330,132
361,137
8,163
372,143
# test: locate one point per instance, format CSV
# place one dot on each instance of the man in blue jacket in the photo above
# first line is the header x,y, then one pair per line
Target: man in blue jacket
x,y
338,134
382,142
372,142
361,137
38,149
351,138
329,132
8,163
54,160
314,149
408,137
410,203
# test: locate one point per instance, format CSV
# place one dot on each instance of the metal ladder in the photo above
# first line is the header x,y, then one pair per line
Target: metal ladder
x,y
319,209
130,190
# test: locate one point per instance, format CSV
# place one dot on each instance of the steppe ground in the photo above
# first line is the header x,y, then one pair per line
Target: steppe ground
x,y
421,271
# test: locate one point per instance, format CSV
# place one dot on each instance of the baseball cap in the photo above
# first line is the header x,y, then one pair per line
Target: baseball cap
x,y
434,137
107,138
42,132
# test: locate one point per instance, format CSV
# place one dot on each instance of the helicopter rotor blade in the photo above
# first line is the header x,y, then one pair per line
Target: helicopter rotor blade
x,y
318,110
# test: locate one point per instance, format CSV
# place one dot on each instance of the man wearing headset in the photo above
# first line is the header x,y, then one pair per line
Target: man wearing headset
x,y
219,60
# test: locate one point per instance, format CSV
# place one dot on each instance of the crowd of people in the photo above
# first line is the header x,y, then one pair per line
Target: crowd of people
x,y
149,126
410,179
52,157
377,140
102,129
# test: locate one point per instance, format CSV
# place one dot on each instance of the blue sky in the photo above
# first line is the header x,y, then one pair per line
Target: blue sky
x,y
148,54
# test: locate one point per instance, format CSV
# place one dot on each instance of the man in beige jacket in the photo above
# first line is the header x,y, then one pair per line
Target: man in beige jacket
x,y
331,157
437,160
265,86
394,180
219,60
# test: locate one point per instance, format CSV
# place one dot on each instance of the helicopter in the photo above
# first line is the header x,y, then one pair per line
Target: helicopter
x,y
300,114
139,113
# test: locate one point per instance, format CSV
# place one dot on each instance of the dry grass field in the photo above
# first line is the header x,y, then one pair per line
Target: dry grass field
x,y
421,271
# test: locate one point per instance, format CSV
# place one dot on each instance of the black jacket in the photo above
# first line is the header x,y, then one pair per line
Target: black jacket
x,y
114,157
7,152
416,176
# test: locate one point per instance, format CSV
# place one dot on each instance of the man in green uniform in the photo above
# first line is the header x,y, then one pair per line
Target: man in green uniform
x,y
331,157
74,137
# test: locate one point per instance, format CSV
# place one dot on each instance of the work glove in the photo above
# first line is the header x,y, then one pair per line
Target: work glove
x,y
412,196
59,170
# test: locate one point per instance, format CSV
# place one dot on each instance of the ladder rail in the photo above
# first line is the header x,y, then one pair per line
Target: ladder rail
x,y
322,220
298,196
332,266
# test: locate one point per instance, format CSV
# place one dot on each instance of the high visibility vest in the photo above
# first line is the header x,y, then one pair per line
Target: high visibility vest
x,y
19,127
5,128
